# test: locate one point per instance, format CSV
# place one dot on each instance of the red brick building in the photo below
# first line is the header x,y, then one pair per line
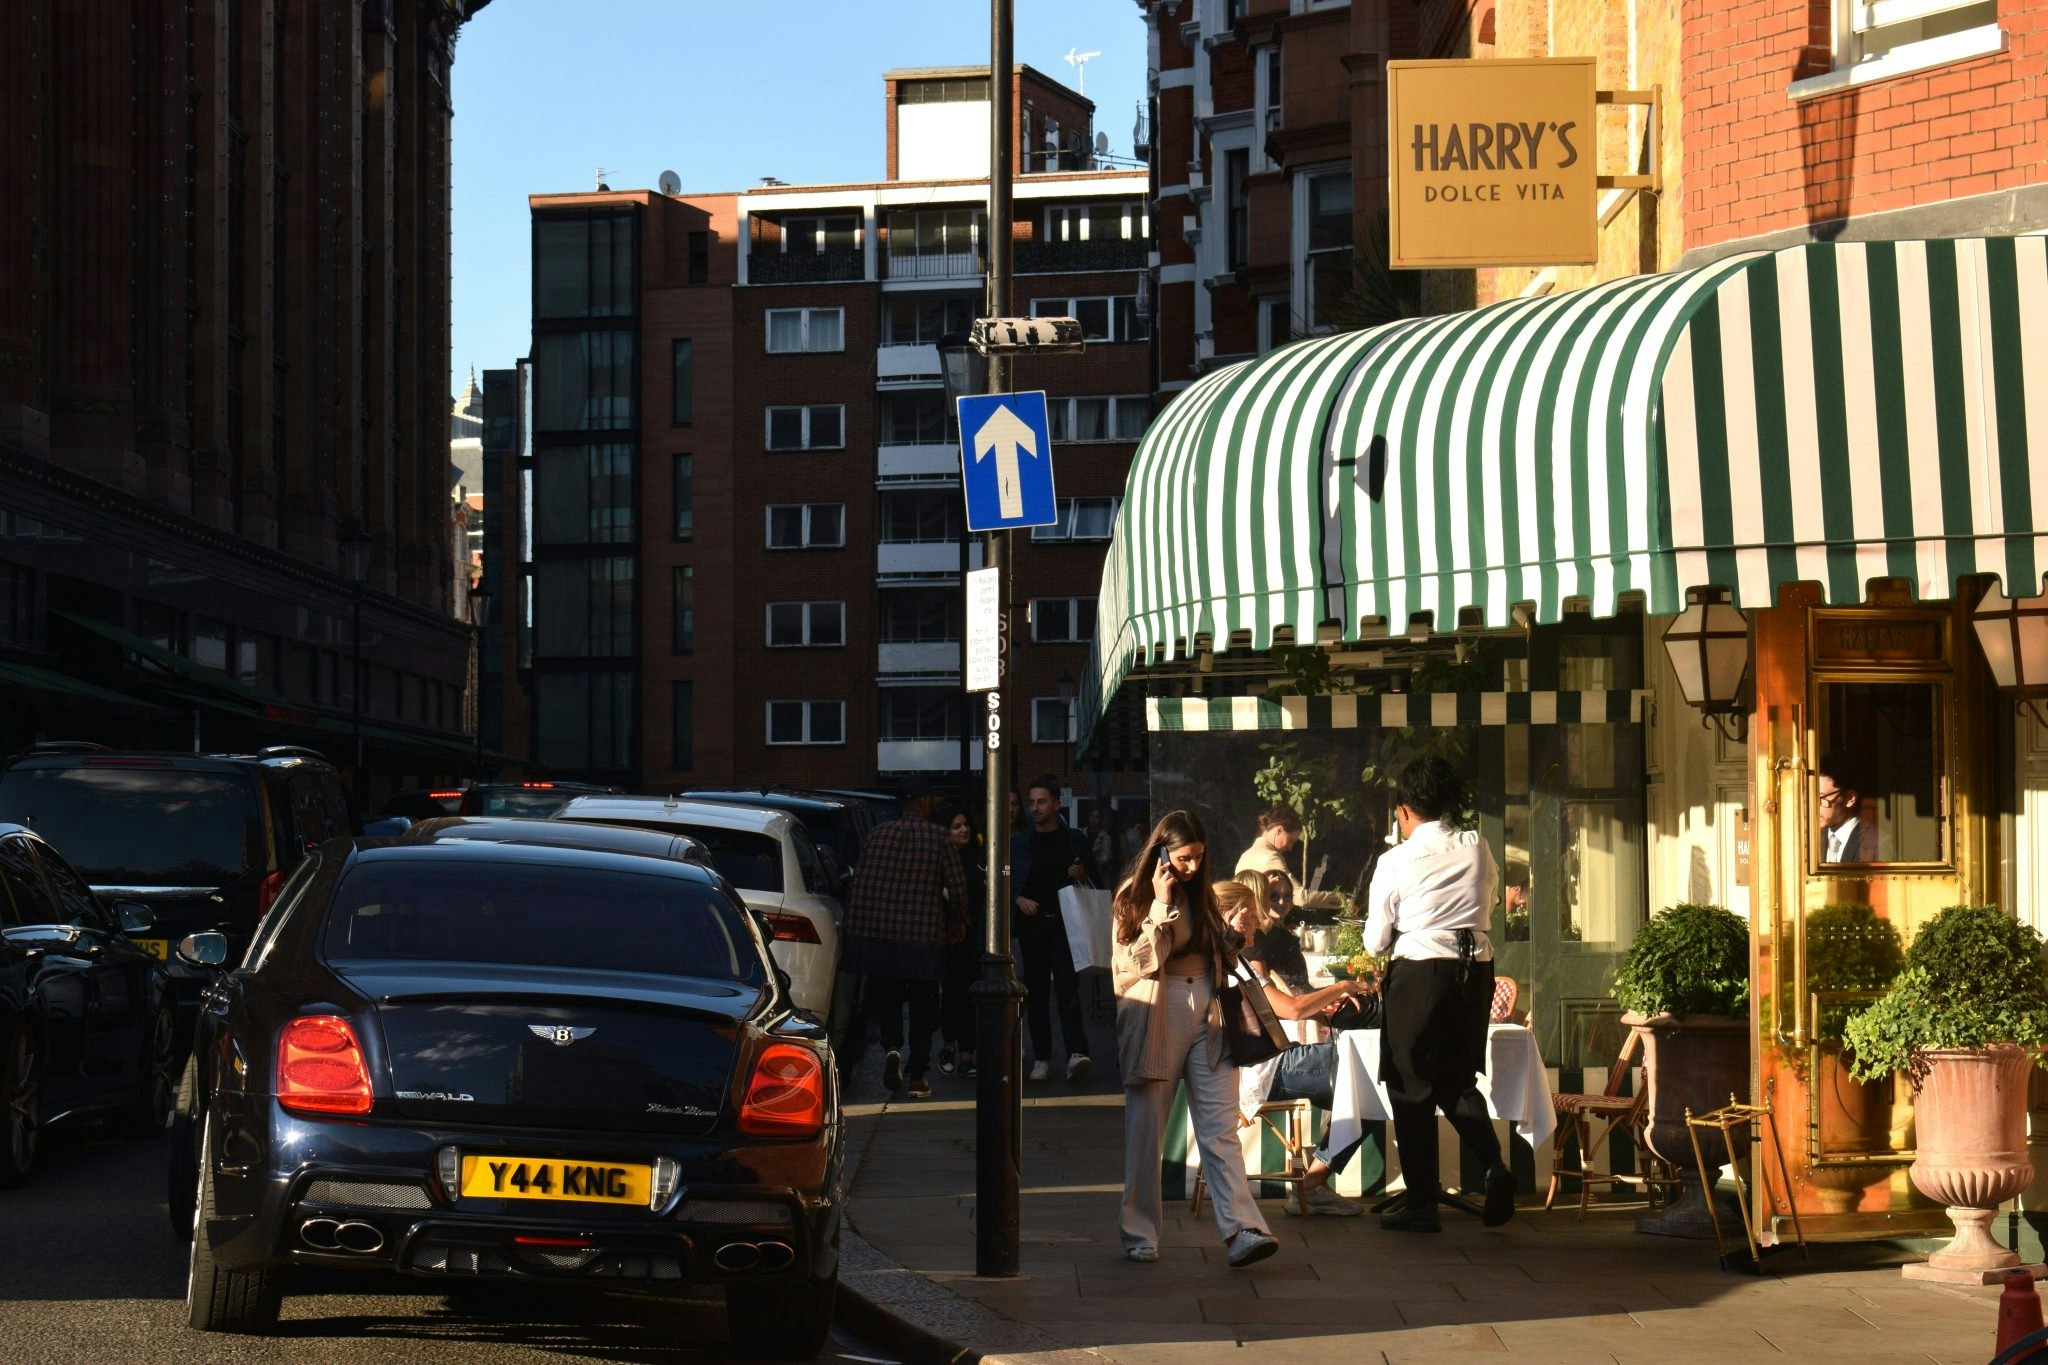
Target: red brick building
x,y
739,399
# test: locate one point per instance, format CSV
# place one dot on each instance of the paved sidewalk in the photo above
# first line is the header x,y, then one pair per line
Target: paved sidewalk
x,y
1546,1287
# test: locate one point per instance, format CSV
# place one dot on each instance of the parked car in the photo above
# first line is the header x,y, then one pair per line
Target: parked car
x,y
421,803
205,841
457,1059
884,806
771,862
647,843
839,825
537,800
87,1026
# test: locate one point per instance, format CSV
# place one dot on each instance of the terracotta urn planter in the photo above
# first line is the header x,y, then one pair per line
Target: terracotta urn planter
x,y
1695,1062
1972,1155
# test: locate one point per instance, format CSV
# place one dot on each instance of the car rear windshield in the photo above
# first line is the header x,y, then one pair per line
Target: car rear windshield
x,y
537,803
529,914
141,826
751,862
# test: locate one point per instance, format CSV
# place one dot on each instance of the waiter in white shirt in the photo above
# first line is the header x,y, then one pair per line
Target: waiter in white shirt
x,y
1430,902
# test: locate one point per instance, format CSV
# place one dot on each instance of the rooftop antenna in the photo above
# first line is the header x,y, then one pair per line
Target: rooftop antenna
x,y
1079,61
600,179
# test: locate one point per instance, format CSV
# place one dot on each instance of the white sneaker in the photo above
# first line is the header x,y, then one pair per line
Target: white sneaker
x,y
1040,1071
1077,1067
1142,1255
1248,1245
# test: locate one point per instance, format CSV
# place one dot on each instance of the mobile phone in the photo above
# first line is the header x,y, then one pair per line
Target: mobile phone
x,y
1163,861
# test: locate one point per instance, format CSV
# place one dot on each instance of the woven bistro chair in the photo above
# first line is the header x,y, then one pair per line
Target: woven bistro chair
x,y
1614,1112
1293,1122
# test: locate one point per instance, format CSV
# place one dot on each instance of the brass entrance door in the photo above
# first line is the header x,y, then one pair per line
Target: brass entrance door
x,y
1870,785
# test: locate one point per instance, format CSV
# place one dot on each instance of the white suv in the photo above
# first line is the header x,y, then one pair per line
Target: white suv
x,y
769,859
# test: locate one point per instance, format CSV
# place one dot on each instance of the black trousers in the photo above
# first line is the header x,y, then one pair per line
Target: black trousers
x,y
956,999
886,997
1432,1046
1049,976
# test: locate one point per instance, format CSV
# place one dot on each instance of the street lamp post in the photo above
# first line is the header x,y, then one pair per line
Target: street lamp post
x,y
479,617
355,562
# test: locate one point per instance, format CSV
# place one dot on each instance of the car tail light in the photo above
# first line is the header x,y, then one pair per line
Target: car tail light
x,y
320,1067
267,893
786,1095
788,928
538,786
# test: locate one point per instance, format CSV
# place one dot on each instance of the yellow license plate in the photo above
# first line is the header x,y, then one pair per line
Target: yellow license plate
x,y
158,948
591,1182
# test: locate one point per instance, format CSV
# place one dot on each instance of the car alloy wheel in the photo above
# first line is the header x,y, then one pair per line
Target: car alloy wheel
x,y
151,1109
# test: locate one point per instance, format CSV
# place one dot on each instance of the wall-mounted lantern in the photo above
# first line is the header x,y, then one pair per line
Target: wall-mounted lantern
x,y
1708,644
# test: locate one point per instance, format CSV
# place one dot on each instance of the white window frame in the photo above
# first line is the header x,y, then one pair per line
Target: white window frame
x,y
1038,618
809,705
804,346
1263,305
768,427
1065,308
807,543
1060,218
1853,19
810,614
1269,88
1109,417
1299,299
1062,532
817,242
1038,729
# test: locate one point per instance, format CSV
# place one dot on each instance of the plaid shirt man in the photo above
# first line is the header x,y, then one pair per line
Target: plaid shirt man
x,y
901,889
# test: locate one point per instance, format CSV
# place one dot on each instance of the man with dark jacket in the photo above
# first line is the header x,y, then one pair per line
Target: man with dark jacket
x,y
909,900
1045,857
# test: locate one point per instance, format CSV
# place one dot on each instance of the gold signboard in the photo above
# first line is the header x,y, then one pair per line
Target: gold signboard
x,y
1492,162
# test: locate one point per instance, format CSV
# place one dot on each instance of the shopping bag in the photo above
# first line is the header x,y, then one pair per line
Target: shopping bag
x,y
1085,911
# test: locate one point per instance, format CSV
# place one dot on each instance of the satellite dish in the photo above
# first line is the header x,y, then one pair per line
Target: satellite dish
x,y
1102,144
671,183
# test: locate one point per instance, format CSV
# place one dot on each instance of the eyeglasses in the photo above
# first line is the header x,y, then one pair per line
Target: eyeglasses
x,y
1832,798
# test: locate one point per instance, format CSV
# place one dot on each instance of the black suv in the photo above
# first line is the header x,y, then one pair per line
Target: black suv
x,y
838,825
205,841
531,800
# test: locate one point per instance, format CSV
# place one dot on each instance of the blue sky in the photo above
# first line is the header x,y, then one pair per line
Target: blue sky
x,y
722,92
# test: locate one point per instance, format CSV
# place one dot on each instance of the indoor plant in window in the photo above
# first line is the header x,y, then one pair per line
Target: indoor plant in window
x,y
1964,1022
1684,988
1849,951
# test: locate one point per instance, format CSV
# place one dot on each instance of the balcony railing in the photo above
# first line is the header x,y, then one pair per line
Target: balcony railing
x,y
802,267
893,656
924,755
927,558
938,265
1044,257
923,462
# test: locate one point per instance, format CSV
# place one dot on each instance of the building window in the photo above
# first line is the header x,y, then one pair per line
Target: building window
x,y
921,517
1325,210
920,616
583,381
700,258
1062,620
210,643
1877,38
683,494
256,659
920,418
792,330
685,609
806,525
1119,418
584,608
1052,720
949,233
685,389
682,744
1113,317
1080,519
583,266
807,722
819,426
921,713
583,495
1267,86
950,90
1097,223
583,722
926,318
1276,322
792,625
815,234
1237,164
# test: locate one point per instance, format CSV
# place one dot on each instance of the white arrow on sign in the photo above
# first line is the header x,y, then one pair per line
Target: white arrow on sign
x,y
1005,433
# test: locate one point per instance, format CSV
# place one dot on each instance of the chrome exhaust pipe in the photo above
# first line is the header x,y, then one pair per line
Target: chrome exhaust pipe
x,y
362,1238
319,1233
737,1256
775,1255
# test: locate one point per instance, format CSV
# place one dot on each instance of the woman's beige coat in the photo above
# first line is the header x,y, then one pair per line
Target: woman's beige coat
x,y
1134,971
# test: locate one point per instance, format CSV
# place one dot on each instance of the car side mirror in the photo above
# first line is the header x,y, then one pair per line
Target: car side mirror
x,y
136,918
390,827
205,949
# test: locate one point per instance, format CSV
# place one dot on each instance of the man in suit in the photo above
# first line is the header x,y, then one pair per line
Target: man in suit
x,y
1846,837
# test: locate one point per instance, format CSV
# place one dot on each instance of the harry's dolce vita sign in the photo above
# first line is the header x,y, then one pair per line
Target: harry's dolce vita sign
x,y
1491,162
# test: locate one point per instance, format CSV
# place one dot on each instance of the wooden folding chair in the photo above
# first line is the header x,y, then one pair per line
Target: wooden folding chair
x,y
1295,1127
1618,1113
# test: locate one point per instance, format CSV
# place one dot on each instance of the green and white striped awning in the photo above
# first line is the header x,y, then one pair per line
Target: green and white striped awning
x,y
1832,412
1394,710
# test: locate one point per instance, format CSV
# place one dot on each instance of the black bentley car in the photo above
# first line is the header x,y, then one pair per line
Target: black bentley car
x,y
473,1058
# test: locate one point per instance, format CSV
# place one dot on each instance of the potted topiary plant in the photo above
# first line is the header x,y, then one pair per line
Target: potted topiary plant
x,y
1684,989
1964,1022
1848,950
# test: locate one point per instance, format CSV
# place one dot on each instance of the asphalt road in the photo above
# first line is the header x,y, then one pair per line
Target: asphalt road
x,y
89,1272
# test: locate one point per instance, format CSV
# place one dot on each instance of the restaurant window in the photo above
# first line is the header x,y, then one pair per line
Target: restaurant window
x,y
1880,774
584,608
681,364
818,426
684,589
683,497
792,330
806,722
920,616
795,624
583,266
583,381
583,494
921,713
806,525
1062,620
1324,212
682,752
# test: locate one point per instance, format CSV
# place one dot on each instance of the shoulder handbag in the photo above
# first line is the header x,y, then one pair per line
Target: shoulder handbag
x,y
1251,1031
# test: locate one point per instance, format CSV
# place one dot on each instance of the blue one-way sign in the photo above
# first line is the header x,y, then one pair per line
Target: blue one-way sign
x,y
1006,461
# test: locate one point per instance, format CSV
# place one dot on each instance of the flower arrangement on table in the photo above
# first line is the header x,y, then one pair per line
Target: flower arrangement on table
x,y
1348,960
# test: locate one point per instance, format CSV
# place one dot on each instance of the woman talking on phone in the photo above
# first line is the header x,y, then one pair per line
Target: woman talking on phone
x,y
1167,962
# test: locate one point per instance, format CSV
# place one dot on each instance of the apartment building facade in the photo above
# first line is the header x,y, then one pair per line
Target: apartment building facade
x,y
745,513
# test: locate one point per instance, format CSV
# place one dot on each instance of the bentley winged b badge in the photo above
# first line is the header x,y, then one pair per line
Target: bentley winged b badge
x,y
561,1035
